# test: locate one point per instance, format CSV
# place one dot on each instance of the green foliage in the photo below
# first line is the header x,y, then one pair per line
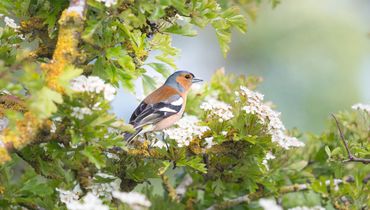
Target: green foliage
x,y
80,146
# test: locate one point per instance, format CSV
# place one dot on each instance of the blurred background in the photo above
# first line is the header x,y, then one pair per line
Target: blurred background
x,y
314,57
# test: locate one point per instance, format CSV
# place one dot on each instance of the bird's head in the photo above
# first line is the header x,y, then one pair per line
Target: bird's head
x,y
181,80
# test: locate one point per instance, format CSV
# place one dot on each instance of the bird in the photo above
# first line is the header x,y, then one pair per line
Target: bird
x,y
163,107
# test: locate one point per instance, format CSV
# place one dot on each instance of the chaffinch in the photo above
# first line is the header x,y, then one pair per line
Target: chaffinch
x,y
164,106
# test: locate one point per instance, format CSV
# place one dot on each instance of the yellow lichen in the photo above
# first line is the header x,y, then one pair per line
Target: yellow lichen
x,y
66,51
25,131
4,157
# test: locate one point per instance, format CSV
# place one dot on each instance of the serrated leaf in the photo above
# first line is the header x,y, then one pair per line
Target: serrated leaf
x,y
43,102
160,68
95,156
195,163
185,30
149,84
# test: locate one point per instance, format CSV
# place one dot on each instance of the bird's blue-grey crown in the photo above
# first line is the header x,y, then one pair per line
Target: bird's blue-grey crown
x,y
171,80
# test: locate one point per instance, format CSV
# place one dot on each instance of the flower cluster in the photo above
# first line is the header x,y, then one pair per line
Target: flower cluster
x,y
217,108
10,22
265,114
135,200
108,3
269,156
187,128
307,208
362,107
105,189
80,112
88,202
92,201
93,84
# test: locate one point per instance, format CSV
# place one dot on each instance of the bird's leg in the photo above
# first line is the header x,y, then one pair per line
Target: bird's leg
x,y
165,142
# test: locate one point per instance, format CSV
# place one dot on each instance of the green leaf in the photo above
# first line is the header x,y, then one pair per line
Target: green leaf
x,y
67,75
195,163
185,30
43,102
328,152
92,26
37,187
160,68
149,84
224,39
95,156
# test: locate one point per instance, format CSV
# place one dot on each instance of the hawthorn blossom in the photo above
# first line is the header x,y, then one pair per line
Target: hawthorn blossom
x,y
160,144
307,208
11,23
362,107
88,202
267,115
135,200
105,189
67,196
269,204
217,108
93,84
209,142
187,128
108,3
269,156
80,112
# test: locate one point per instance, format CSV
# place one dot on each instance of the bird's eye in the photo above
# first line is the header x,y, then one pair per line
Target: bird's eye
x,y
187,76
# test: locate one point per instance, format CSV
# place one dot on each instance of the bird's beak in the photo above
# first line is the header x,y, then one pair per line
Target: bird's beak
x,y
195,80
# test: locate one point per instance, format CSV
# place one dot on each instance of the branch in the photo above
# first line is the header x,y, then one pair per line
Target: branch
x,y
351,157
169,188
259,194
66,53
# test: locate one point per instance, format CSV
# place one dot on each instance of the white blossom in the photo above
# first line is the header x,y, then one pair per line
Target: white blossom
x,y
10,23
135,200
269,156
187,128
209,142
80,112
362,107
217,108
93,84
88,202
109,92
224,133
269,204
108,3
267,115
112,156
160,144
105,189
67,196
53,127
307,208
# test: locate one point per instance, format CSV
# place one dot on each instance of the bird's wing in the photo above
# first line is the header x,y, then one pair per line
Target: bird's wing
x,y
146,114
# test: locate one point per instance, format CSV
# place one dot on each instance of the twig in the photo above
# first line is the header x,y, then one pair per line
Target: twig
x,y
169,188
257,195
351,157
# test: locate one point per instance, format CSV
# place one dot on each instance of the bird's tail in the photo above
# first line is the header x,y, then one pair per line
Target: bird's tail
x,y
129,137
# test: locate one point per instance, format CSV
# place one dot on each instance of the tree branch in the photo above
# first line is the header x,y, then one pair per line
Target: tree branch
x,y
260,194
351,157
66,53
